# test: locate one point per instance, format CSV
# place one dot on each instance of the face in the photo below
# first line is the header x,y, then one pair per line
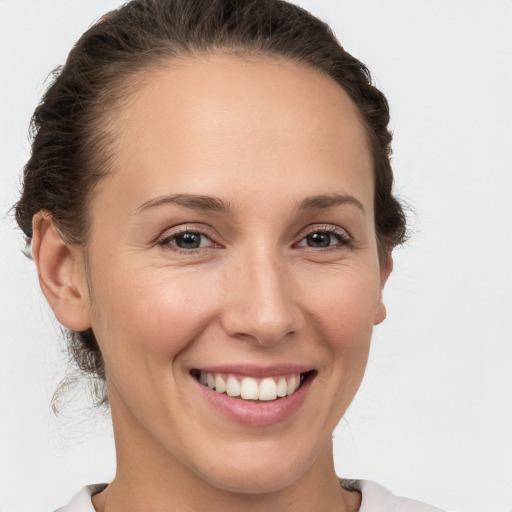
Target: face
x,y
233,245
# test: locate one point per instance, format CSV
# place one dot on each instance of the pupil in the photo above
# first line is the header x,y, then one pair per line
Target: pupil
x,y
319,239
188,241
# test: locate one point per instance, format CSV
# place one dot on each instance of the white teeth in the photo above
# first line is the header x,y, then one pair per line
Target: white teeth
x,y
210,380
248,388
268,389
220,385
291,386
282,387
232,386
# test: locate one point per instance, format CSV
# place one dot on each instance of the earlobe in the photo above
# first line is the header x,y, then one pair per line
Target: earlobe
x,y
380,316
385,271
61,274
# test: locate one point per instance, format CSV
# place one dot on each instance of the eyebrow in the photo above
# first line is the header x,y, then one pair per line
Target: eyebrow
x,y
191,201
210,203
325,201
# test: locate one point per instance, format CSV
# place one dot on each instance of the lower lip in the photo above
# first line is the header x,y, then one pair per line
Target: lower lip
x,y
257,413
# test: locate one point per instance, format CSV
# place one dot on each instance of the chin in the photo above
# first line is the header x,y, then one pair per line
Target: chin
x,y
256,481
259,470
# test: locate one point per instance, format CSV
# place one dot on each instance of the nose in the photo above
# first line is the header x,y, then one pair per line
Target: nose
x,y
259,304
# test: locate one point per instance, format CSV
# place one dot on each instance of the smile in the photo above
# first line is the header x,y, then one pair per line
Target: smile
x,y
254,396
252,388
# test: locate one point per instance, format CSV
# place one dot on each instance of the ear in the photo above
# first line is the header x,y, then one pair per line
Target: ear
x,y
386,267
61,273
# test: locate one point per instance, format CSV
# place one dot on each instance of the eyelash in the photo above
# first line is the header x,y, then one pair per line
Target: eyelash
x,y
343,239
168,240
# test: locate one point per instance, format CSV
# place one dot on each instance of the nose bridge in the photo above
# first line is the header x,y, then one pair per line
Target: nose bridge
x,y
260,304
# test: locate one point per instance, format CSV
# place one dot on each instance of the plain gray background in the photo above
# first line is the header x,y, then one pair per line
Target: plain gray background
x,y
433,419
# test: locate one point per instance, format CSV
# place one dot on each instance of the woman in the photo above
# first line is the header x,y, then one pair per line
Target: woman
x,y
209,206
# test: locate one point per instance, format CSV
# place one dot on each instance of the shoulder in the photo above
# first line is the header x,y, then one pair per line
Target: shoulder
x,y
376,497
82,501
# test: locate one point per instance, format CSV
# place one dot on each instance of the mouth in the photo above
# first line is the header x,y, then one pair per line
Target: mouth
x,y
251,388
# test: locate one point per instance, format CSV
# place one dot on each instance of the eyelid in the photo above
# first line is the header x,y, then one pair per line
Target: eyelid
x,y
170,233
206,231
347,239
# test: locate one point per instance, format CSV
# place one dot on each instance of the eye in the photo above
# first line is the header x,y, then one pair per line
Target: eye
x,y
325,239
187,241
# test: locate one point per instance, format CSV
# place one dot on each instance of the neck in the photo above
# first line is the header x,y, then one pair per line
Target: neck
x,y
147,488
327,497
150,478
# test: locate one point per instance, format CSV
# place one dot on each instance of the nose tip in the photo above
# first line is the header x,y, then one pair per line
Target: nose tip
x,y
260,305
266,329
260,318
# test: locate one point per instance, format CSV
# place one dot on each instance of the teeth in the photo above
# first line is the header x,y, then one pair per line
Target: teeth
x,y
291,387
248,388
210,380
220,385
232,386
268,389
282,387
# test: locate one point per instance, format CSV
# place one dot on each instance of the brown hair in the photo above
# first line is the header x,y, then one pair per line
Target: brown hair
x,y
71,149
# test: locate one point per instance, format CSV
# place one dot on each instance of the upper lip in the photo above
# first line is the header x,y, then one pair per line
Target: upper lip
x,y
253,370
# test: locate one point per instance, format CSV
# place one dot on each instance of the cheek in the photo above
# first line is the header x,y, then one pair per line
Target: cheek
x,y
344,316
154,312
346,306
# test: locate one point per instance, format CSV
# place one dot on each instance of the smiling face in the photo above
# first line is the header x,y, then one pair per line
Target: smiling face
x,y
234,244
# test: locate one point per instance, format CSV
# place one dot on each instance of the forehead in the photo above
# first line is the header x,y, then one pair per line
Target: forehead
x,y
210,121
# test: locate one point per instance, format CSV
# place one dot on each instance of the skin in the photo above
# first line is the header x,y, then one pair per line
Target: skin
x,y
263,136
